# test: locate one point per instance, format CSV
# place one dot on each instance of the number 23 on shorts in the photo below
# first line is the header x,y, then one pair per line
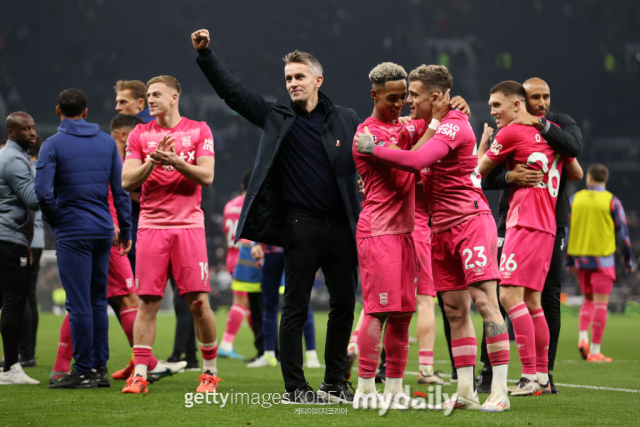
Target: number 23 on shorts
x,y
480,258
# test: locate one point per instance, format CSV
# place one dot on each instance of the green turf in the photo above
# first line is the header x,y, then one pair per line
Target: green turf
x,y
165,403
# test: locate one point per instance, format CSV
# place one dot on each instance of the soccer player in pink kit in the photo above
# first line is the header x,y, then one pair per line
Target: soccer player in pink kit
x,y
171,158
464,236
531,229
386,253
240,305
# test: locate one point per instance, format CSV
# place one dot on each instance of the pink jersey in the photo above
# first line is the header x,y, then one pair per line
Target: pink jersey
x,y
389,192
530,207
168,199
453,184
230,218
422,232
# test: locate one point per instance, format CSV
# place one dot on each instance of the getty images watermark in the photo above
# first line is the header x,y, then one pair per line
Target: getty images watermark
x,y
434,399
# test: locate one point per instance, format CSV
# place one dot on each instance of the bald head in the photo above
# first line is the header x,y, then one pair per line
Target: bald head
x,y
16,119
538,96
21,129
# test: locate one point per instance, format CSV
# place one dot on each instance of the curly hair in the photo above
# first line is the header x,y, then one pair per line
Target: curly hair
x,y
387,72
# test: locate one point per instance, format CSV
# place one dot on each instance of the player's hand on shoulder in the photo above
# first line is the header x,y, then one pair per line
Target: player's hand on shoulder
x,y
404,120
200,39
524,118
365,141
361,186
487,133
440,106
523,176
458,103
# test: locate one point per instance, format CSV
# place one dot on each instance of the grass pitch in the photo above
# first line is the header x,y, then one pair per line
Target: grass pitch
x,y
617,402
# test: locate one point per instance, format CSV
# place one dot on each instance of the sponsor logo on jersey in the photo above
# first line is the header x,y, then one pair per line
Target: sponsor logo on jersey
x,y
448,129
496,147
208,144
186,141
152,144
384,299
189,156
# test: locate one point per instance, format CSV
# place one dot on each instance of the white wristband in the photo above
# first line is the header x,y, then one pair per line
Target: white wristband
x,y
434,124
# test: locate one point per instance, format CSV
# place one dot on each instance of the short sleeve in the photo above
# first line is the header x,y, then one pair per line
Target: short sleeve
x,y
204,146
134,150
502,145
453,131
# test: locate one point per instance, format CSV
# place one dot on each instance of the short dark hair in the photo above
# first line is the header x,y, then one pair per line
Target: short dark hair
x,y
128,121
72,102
246,177
509,88
432,76
598,172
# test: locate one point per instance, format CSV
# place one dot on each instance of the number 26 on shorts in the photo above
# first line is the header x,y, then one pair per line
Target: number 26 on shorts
x,y
480,258
509,263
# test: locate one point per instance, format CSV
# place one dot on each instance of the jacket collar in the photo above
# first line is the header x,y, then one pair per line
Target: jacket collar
x,y
289,104
16,147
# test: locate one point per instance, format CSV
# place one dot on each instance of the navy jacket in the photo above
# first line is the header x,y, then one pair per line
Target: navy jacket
x,y
75,168
262,219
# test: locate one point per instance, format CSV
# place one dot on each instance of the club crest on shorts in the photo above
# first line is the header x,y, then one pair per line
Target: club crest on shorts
x,y
129,282
384,299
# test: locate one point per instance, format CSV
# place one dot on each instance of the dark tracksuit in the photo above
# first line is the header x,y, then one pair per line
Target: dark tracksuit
x,y
75,169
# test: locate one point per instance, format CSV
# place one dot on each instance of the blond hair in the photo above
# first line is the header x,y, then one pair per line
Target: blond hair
x,y
432,76
304,58
169,81
387,72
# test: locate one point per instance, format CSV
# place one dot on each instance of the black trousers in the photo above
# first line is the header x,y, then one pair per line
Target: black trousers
x,y
447,330
551,295
256,304
14,288
185,338
311,242
30,318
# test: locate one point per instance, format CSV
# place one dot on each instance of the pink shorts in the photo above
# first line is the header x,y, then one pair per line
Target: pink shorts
x,y
425,275
464,254
526,257
388,273
120,279
596,280
184,250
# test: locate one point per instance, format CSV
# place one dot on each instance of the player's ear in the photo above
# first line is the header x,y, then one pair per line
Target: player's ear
x,y
319,81
374,94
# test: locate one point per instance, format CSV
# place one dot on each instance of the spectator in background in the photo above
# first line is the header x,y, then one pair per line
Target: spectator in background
x,y
75,170
17,203
31,317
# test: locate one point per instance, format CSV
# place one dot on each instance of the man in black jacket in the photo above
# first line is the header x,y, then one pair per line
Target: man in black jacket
x,y
302,196
565,139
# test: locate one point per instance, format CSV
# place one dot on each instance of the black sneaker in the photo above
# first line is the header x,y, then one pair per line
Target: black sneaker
x,y
173,359
381,375
340,392
75,381
27,363
302,396
554,389
192,365
484,380
101,377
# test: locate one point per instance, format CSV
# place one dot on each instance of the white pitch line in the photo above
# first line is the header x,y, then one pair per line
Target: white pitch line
x,y
590,387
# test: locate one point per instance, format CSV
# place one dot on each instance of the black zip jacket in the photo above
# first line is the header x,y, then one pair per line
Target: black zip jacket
x,y
262,216
565,140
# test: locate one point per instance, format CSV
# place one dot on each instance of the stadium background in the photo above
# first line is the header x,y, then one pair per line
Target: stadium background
x,y
587,50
